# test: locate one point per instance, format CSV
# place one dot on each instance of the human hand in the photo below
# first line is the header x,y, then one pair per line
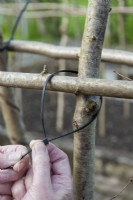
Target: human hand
x,y
49,177
10,155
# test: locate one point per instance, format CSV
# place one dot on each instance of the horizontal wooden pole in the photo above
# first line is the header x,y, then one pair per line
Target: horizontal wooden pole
x,y
55,51
89,86
8,9
50,50
122,10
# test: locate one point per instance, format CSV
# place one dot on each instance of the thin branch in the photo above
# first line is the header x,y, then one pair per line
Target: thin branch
x,y
54,51
129,182
121,75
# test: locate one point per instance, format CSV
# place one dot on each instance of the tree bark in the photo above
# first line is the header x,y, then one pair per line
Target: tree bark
x,y
89,61
11,112
88,86
54,51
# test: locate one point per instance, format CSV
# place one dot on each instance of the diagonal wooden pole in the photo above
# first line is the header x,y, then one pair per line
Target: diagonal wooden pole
x,y
89,61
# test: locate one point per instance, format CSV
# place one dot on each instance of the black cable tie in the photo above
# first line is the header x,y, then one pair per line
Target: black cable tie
x,y
7,43
44,94
46,141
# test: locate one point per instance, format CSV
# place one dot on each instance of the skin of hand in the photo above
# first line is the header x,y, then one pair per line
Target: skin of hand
x,y
49,177
10,155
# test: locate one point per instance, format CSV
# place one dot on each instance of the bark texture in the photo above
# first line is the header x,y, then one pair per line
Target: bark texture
x,y
10,110
89,61
54,51
88,86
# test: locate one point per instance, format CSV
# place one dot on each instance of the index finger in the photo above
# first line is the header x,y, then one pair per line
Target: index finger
x,y
12,148
11,154
59,160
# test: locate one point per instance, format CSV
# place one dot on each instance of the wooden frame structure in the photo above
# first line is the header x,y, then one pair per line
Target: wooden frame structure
x,y
55,10
86,86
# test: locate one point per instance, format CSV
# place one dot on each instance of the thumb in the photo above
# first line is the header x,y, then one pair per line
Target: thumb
x,y
41,166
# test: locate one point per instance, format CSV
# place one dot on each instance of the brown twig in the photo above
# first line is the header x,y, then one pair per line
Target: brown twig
x,y
121,75
130,181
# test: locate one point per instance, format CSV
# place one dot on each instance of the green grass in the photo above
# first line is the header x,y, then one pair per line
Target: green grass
x,y
52,32
129,29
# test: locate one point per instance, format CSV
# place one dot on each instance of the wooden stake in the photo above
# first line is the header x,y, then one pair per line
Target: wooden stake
x,y
122,41
89,61
11,114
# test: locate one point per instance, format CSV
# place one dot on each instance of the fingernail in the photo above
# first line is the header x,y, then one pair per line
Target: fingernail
x,y
33,142
14,157
39,146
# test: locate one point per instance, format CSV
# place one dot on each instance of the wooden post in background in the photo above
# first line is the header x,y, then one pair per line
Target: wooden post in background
x,y
76,24
62,65
89,61
12,116
102,115
122,41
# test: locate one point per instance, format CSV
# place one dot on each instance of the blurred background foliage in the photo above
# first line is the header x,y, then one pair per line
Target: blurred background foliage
x,y
29,28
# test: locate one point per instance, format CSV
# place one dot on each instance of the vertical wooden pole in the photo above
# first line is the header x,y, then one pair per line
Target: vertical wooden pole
x,y
11,114
122,41
89,61
40,23
121,27
76,24
102,115
62,65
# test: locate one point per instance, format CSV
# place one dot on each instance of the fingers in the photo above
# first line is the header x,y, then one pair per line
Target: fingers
x,y
22,165
5,197
18,189
29,178
16,173
21,186
61,177
59,160
41,167
12,148
5,188
8,159
11,154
